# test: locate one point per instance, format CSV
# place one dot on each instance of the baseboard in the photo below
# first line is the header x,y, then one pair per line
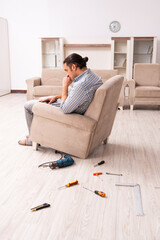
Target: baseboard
x,y
18,91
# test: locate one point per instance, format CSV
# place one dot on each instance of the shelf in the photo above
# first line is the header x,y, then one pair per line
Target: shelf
x,y
87,45
45,66
120,38
123,53
143,38
149,54
49,54
50,39
119,67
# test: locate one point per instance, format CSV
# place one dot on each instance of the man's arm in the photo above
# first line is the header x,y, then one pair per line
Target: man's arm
x,y
66,82
51,99
73,101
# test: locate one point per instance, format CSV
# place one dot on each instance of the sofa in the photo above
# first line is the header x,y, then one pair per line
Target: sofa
x,y
145,87
73,133
50,82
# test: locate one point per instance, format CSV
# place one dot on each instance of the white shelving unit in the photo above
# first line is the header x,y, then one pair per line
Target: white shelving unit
x,y
52,52
5,82
143,50
120,48
126,51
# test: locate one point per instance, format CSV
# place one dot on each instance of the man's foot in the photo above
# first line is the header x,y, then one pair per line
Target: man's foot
x,y
25,142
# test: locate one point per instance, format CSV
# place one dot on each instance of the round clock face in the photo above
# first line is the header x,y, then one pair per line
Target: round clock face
x,y
115,26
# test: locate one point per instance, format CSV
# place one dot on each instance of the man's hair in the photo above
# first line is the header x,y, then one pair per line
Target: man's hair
x,y
76,59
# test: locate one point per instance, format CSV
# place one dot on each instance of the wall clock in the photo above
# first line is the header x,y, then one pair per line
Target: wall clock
x,y
115,26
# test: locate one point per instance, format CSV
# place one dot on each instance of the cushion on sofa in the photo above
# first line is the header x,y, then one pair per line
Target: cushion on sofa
x,y
147,91
105,74
47,90
52,77
147,74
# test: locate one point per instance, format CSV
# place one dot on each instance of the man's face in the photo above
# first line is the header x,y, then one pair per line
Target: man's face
x,y
71,72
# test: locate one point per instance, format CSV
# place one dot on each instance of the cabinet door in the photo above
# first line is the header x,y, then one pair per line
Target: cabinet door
x,y
4,58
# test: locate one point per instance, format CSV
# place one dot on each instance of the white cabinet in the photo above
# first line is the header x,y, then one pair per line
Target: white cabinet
x,y
52,52
5,84
120,48
126,51
143,50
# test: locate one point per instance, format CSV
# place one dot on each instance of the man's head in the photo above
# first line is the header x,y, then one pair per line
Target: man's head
x,y
74,65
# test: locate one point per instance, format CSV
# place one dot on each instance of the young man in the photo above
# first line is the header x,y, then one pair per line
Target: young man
x,y
79,87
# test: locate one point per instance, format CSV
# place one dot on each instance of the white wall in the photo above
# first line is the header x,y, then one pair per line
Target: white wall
x,y
27,20
76,21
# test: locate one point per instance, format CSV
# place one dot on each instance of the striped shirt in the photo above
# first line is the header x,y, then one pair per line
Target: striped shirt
x,y
81,92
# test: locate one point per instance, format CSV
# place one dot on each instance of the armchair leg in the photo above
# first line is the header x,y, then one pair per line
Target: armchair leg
x,y
131,107
35,146
120,107
105,141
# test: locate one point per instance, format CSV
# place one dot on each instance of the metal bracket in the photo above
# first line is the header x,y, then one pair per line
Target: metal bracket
x,y
137,194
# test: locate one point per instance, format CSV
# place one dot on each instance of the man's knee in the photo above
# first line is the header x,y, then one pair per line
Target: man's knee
x,y
29,105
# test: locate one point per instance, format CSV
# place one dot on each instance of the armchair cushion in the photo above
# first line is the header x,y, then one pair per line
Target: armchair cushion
x,y
147,74
40,91
147,91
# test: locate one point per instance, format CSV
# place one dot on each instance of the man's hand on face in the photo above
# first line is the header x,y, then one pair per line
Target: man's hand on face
x,y
49,99
67,81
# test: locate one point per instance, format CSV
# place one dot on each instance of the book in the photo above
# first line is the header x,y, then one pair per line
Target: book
x,y
150,50
124,63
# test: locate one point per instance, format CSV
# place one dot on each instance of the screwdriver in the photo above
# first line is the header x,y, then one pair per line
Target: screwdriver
x,y
116,174
44,205
100,163
69,184
101,194
97,174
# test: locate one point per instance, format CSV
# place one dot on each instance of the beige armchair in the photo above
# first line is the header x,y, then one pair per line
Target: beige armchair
x,y
77,134
50,83
145,87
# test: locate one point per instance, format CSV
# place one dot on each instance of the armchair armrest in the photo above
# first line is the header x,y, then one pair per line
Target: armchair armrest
x,y
31,83
131,84
121,95
73,120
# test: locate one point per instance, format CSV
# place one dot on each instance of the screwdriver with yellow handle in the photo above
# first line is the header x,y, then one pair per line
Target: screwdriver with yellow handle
x,y
69,184
101,194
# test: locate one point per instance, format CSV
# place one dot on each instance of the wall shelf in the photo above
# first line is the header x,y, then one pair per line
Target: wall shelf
x,y
87,45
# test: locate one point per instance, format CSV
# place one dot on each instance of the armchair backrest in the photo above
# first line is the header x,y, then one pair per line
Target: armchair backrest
x,y
103,108
147,74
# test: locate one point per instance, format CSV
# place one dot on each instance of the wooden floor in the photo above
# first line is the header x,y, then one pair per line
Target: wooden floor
x,y
133,150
